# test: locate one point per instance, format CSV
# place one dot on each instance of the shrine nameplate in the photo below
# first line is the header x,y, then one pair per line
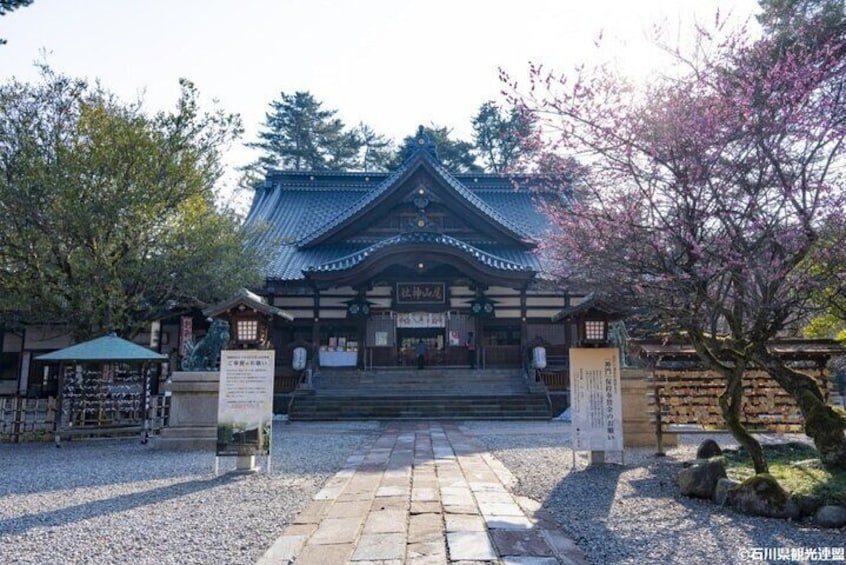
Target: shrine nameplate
x,y
421,293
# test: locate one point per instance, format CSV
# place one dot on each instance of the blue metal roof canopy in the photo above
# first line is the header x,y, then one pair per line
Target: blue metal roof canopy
x,y
108,348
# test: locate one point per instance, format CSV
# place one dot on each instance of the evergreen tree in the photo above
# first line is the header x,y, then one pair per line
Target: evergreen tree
x,y
455,155
500,139
377,149
299,134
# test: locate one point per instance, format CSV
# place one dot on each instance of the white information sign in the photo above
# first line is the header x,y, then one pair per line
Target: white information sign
x,y
245,403
596,405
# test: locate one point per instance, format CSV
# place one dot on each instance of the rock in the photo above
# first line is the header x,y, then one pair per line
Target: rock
x,y
721,490
761,495
707,449
808,504
831,516
700,480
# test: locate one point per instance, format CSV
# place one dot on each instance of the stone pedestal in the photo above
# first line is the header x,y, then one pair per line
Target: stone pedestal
x,y
193,411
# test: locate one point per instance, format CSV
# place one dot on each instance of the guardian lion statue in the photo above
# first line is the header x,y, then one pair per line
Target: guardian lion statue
x,y
205,354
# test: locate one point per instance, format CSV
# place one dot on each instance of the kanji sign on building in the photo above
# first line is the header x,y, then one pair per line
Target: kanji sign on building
x,y
421,293
596,409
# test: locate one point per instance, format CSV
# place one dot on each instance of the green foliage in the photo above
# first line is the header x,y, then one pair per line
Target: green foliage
x,y
299,134
501,138
796,466
792,20
455,155
107,214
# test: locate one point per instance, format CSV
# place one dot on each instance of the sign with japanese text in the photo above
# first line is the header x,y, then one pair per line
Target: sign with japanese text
x,y
421,320
186,332
245,403
421,293
596,407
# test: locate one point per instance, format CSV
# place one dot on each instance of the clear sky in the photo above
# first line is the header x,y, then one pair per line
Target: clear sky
x,y
392,64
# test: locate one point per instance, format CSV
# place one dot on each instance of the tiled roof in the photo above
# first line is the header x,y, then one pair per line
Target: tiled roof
x,y
516,261
294,207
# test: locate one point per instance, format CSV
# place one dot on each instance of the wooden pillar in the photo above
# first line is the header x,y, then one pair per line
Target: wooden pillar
x,y
315,328
524,326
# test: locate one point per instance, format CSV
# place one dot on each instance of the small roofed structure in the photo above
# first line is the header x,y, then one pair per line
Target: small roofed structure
x,y
250,318
592,316
107,349
104,386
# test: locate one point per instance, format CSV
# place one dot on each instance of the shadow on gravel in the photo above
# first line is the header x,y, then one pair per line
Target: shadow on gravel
x,y
113,505
30,468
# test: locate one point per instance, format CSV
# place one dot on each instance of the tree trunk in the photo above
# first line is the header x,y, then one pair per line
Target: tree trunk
x,y
824,424
730,403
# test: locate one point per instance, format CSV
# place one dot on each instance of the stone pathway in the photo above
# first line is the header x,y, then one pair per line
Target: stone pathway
x,y
424,493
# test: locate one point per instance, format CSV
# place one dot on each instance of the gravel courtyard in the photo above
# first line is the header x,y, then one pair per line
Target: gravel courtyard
x,y
117,501
633,513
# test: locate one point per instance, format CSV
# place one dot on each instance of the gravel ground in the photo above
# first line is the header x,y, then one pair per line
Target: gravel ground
x,y
117,501
633,513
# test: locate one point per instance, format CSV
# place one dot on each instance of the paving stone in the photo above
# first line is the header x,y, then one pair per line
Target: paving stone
x,y
474,546
354,509
461,509
426,553
300,530
390,503
425,527
386,521
393,490
500,509
464,523
424,494
494,497
379,546
283,550
313,513
509,523
521,542
424,507
324,554
336,530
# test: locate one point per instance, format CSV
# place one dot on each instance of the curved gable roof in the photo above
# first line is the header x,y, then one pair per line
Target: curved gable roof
x,y
374,197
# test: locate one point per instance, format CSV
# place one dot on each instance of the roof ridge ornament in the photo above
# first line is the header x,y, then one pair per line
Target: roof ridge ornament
x,y
421,143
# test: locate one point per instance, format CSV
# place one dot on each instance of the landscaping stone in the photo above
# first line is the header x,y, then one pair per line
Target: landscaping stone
x,y
707,449
761,495
721,490
700,480
831,516
808,504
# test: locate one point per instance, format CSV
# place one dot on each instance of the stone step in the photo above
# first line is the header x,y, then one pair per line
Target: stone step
x,y
317,407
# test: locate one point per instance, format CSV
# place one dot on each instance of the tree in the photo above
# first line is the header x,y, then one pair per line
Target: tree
x,y
455,155
107,214
499,138
377,151
300,135
703,197
809,21
7,6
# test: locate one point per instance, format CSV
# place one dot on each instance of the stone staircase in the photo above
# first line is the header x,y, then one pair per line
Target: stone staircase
x,y
410,394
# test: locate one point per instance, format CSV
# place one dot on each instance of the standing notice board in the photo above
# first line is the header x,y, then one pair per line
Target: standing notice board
x,y
245,404
597,411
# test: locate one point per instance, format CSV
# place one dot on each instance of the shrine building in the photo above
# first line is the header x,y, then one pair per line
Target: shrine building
x,y
369,264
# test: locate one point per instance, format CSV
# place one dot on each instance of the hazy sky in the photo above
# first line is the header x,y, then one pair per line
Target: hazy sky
x,y
390,63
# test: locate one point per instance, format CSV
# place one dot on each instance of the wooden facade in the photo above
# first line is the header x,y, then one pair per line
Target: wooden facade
x,y
369,264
